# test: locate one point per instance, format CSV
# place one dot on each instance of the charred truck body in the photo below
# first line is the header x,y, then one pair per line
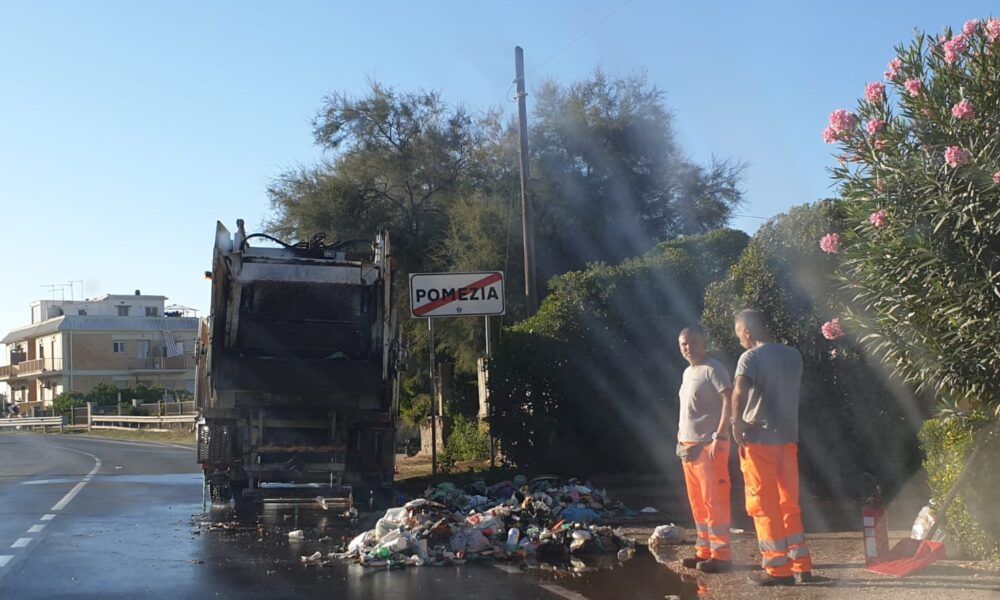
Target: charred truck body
x,y
296,371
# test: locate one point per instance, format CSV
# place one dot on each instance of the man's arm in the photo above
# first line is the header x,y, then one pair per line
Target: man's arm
x,y
741,392
727,401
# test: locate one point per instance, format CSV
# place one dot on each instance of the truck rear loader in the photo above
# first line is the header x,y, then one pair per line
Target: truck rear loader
x,y
296,370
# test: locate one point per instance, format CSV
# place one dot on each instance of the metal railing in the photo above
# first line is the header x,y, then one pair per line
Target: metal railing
x,y
28,367
162,363
167,408
33,422
138,422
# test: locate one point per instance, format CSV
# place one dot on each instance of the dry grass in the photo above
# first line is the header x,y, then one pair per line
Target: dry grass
x,y
138,435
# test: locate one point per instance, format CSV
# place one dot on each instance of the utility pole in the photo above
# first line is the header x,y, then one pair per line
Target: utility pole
x,y
527,225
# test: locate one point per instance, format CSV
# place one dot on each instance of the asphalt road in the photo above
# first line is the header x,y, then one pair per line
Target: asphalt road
x,y
91,518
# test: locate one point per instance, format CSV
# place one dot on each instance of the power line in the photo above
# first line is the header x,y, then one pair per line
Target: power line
x,y
582,35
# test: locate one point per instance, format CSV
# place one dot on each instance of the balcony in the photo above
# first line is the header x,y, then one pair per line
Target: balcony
x,y
162,363
26,368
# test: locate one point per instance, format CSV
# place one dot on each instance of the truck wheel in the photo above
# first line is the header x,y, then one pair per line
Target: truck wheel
x,y
221,493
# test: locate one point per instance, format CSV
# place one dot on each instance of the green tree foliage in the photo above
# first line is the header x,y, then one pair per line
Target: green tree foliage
x,y
106,394
64,403
467,441
611,178
394,161
852,419
925,273
590,382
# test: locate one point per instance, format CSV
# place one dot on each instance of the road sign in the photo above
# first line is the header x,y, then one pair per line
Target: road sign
x,y
456,294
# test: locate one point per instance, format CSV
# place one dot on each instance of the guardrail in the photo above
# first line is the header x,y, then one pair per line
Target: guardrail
x,y
138,422
34,422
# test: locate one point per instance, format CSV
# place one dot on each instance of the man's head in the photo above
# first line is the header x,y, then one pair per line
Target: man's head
x,y
750,328
692,342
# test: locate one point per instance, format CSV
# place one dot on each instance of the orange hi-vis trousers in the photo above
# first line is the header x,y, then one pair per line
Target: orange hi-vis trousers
x,y
708,492
771,475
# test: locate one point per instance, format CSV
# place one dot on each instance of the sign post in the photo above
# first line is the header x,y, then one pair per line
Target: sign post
x,y
434,435
434,295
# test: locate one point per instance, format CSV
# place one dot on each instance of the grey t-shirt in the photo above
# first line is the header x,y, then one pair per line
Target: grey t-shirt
x,y
772,409
701,402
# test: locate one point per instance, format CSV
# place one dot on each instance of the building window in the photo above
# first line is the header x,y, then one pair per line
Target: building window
x,y
151,311
82,312
123,310
119,347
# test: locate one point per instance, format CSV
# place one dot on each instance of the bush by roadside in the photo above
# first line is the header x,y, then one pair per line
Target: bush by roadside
x,y
973,519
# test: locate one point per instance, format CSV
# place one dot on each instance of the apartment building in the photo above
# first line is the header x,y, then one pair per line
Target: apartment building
x,y
72,345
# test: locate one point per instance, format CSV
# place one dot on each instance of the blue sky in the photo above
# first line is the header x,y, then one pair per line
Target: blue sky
x,y
128,128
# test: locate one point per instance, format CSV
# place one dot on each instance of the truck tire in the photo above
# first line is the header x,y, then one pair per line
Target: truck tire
x,y
221,493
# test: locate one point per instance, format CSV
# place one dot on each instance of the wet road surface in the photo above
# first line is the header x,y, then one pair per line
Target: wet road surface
x,y
90,518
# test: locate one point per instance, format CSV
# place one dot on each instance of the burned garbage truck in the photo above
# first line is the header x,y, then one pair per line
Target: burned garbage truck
x,y
295,376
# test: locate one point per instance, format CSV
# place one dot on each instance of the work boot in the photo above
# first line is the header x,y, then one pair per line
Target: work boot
x,y
714,565
692,562
808,577
764,579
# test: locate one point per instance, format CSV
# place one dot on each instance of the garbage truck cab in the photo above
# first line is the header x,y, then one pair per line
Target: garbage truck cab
x,y
296,369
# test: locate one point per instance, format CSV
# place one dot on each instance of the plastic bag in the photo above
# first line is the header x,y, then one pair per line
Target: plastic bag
x,y
667,534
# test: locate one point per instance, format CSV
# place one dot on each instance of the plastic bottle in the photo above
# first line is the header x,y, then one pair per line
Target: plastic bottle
x,y
922,525
512,537
626,553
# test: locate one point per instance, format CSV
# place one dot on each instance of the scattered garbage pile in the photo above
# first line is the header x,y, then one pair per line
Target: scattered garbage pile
x,y
546,519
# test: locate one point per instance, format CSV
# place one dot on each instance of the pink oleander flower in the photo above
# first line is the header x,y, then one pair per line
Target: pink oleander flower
x,y
875,92
996,177
962,110
832,330
914,87
927,112
829,135
955,156
874,126
877,218
953,48
879,144
830,243
993,30
970,26
895,65
841,120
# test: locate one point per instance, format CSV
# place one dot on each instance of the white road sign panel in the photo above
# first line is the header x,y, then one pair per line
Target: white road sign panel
x,y
456,294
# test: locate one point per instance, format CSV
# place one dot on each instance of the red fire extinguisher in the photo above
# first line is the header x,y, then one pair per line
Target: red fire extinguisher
x,y
876,529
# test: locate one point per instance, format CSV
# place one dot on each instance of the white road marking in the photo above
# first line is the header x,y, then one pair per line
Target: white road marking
x,y
76,488
6,558
45,481
36,528
48,517
21,543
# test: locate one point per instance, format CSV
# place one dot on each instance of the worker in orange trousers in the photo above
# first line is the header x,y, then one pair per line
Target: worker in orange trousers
x,y
765,424
703,446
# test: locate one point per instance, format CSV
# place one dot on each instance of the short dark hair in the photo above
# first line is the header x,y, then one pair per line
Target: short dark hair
x,y
752,319
694,329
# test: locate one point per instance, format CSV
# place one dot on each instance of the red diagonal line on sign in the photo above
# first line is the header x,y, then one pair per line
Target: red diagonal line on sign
x,y
485,281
